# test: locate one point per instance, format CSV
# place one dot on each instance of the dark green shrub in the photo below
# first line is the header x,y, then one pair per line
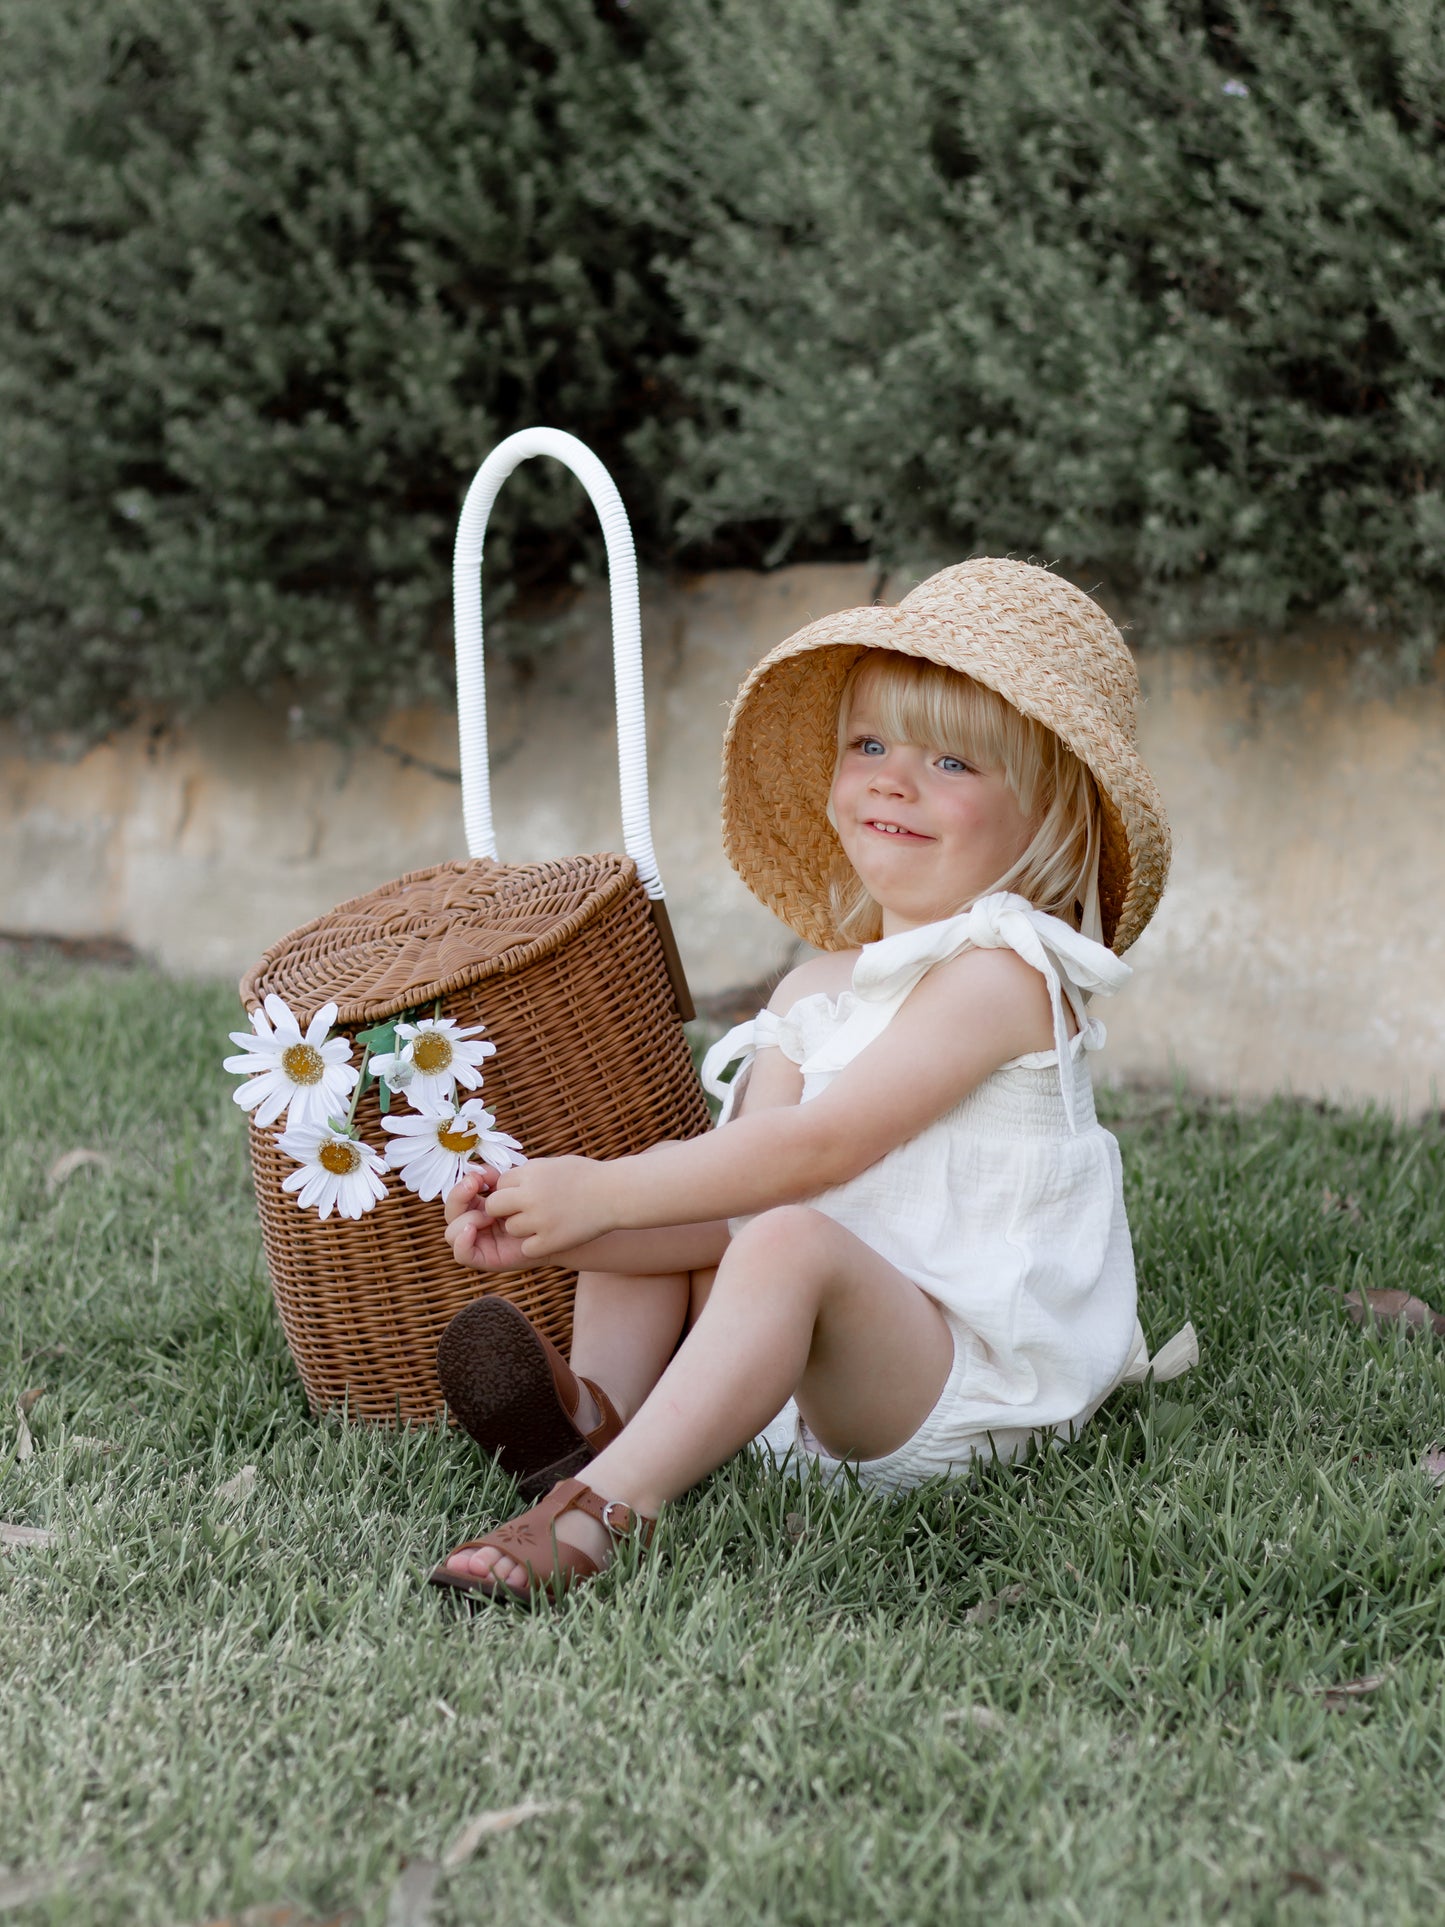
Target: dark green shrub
x,y
1152,290
276,275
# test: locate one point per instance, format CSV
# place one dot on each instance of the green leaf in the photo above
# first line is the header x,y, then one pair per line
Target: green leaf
x,y
381,1038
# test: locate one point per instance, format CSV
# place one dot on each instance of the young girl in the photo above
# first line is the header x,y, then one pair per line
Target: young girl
x,y
907,1243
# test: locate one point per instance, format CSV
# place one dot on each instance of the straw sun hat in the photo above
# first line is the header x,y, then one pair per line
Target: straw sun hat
x,y
1042,644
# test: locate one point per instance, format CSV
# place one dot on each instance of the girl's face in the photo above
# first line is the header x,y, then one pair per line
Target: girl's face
x,y
926,831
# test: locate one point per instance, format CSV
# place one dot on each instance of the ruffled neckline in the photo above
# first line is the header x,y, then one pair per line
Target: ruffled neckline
x,y
884,974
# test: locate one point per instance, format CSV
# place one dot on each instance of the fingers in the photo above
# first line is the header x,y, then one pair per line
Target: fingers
x,y
461,1235
484,1246
466,1191
527,1229
469,1237
512,1224
504,1204
524,1214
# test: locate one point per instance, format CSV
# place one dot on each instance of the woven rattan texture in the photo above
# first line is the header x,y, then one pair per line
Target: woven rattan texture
x,y
563,964
1043,644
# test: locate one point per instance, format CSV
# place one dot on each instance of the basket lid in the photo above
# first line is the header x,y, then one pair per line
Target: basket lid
x,y
432,931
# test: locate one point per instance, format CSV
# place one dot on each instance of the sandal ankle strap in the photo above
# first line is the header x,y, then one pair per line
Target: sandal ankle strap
x,y
614,1515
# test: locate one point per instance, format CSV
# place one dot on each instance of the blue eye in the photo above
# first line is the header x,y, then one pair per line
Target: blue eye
x,y
870,746
952,763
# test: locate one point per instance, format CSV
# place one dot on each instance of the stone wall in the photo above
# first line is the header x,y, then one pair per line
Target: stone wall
x,y
1297,948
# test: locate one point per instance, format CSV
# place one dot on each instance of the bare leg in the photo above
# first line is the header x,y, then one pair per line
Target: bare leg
x,y
799,1306
624,1331
699,1293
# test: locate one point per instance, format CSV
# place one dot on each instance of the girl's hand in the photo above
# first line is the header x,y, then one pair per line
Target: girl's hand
x,y
552,1204
475,1238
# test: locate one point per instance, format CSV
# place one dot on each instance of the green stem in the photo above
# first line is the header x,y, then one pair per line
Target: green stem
x,y
360,1087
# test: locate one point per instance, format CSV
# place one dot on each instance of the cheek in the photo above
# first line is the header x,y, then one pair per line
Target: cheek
x,y
1015,830
847,783
994,822
1003,815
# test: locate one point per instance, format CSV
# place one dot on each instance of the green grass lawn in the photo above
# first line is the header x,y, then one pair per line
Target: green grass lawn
x,y
796,1710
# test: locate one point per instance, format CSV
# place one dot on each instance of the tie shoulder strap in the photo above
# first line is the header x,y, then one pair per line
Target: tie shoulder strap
x,y
1071,965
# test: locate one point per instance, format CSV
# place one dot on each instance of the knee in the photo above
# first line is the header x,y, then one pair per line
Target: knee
x,y
792,1239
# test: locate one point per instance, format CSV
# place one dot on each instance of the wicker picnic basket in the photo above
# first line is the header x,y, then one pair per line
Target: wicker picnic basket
x,y
570,965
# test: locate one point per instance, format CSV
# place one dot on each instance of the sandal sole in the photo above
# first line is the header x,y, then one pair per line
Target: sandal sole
x,y
497,1381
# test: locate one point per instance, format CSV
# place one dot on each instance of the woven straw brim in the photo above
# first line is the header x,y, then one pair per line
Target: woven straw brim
x,y
1075,677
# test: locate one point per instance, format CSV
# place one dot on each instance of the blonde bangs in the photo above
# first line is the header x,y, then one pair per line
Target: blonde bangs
x,y
915,701
937,708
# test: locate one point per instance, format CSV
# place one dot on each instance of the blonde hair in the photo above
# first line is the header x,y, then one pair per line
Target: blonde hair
x,y
941,709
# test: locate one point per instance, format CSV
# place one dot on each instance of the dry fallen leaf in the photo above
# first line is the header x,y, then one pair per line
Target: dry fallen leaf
x,y
499,1820
1432,1464
69,1162
1347,1691
988,1609
1394,1308
411,1897
20,1890
240,1486
1296,1880
1334,1201
29,1400
24,1444
982,1717
25,1535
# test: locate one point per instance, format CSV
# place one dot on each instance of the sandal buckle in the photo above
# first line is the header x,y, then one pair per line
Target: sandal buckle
x,y
617,1505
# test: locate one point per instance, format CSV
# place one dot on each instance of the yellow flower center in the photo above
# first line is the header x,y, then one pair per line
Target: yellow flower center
x,y
303,1063
431,1053
458,1141
338,1158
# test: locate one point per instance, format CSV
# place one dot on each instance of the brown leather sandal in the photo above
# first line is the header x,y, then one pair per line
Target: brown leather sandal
x,y
516,1394
531,1539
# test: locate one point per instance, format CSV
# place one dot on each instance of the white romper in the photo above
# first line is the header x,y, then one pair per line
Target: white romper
x,y
1008,1210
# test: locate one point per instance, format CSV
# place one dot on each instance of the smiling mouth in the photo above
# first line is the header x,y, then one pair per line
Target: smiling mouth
x,y
897,829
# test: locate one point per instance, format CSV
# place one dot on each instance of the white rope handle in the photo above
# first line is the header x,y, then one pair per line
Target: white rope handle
x,y
626,642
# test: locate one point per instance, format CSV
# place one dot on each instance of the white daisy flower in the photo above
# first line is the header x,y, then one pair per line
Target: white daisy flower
x,y
309,1078
338,1172
432,1057
432,1149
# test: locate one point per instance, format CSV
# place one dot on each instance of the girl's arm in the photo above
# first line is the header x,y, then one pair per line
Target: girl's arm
x,y
966,1018
489,1244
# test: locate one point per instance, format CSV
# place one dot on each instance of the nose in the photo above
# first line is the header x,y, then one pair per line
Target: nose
x,y
890,774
